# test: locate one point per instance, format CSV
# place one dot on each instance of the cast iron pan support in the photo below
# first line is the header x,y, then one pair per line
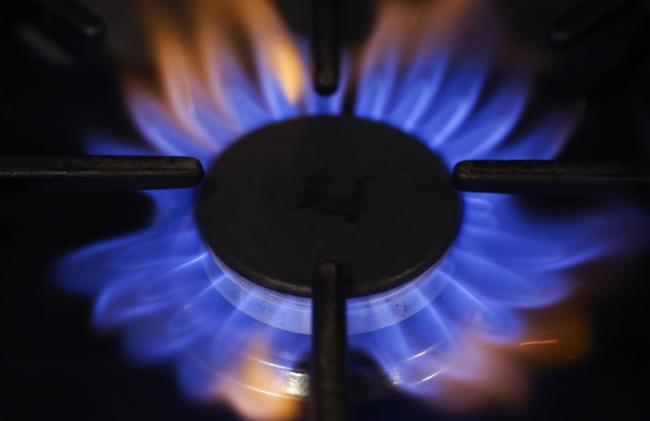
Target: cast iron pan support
x,y
326,46
98,173
329,343
552,177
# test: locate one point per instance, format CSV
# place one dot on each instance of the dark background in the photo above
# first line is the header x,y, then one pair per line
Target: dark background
x,y
55,367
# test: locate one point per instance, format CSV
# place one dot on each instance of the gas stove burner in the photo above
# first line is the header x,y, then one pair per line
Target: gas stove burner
x,y
290,196
432,297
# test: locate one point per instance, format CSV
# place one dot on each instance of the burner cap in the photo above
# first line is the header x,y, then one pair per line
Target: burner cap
x,y
285,198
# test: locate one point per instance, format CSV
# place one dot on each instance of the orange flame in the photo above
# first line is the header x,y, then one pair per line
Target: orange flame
x,y
273,46
260,393
415,25
488,374
191,57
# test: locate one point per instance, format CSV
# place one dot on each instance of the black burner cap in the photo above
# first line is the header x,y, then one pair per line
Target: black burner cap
x,y
285,198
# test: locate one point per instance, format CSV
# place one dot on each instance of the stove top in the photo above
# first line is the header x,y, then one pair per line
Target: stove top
x,y
368,210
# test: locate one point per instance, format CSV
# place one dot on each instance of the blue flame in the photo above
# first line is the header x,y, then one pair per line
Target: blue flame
x,y
173,302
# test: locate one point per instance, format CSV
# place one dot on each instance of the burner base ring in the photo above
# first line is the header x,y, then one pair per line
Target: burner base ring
x,y
292,195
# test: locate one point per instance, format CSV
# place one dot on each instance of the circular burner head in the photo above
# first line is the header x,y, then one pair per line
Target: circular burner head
x,y
290,196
